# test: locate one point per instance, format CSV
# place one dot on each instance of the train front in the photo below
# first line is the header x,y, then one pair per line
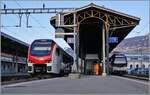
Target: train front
x,y
40,56
119,64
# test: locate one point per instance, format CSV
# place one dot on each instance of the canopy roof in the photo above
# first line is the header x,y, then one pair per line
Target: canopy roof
x,y
120,25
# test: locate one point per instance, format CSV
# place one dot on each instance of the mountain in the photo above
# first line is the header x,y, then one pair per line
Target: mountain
x,y
139,44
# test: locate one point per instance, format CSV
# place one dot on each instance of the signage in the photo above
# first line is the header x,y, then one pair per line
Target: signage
x,y
113,39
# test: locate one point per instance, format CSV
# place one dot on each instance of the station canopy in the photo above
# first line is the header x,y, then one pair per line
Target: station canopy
x,y
13,46
90,21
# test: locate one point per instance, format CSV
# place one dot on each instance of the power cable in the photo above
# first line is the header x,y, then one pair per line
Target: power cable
x,y
33,18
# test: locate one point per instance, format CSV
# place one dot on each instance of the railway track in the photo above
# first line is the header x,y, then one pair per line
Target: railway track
x,y
137,77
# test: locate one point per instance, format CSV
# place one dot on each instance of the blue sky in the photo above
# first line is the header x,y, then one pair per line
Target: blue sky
x,y
41,27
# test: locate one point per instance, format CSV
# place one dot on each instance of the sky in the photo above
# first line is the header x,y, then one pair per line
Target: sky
x,y
41,27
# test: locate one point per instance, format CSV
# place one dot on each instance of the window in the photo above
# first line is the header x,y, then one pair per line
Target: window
x,y
137,66
134,58
120,60
40,48
131,66
146,58
143,66
149,65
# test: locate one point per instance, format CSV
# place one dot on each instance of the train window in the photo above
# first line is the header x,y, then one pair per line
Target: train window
x,y
134,58
137,66
143,66
131,66
120,60
146,58
129,59
40,50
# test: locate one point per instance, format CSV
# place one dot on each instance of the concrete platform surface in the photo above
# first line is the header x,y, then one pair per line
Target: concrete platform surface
x,y
84,85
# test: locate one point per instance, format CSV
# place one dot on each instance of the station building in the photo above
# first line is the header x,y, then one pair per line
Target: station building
x,y
13,55
141,61
95,26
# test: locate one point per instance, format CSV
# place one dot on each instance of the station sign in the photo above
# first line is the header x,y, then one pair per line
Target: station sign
x,y
113,39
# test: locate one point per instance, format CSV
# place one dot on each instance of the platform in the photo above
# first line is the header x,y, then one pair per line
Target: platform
x,y
84,85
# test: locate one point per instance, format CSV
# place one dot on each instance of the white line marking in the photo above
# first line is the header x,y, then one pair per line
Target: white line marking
x,y
28,82
134,80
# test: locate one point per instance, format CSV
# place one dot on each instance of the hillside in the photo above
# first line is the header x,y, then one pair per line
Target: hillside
x,y
134,45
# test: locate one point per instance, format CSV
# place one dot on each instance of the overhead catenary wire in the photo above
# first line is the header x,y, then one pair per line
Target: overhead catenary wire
x,y
10,28
37,21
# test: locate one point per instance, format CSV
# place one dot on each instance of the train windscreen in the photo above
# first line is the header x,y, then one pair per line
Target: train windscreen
x,y
120,60
41,48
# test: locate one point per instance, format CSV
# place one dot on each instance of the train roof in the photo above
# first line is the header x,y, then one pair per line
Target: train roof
x,y
64,46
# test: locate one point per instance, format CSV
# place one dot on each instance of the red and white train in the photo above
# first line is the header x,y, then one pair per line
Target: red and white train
x,y
46,56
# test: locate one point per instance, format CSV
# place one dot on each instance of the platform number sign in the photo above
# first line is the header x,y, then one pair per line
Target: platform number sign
x,y
113,40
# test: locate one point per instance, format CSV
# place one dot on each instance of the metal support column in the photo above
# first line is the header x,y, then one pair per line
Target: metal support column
x,y
77,48
107,50
81,66
16,64
27,23
103,48
75,65
84,66
20,18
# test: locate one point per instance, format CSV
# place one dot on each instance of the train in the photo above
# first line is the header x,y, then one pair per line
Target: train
x,y
118,64
47,56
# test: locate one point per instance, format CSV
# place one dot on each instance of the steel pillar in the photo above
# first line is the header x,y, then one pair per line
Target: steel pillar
x,y
107,50
82,61
20,17
75,63
84,66
103,48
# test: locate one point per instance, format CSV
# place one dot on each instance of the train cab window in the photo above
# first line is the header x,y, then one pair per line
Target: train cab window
x,y
131,66
39,48
120,60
